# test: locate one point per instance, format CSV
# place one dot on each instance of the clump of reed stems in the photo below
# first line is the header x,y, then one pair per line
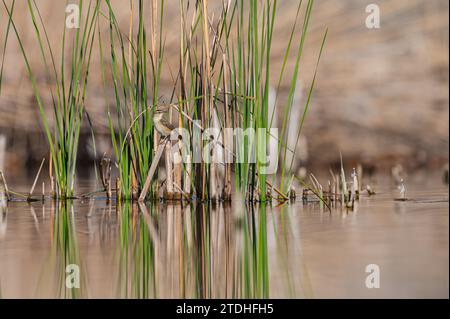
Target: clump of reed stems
x,y
223,80
135,70
70,77
339,191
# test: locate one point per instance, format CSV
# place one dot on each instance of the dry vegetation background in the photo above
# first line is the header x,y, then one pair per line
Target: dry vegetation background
x,y
381,97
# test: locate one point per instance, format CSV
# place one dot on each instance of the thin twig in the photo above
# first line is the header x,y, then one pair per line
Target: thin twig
x,y
36,179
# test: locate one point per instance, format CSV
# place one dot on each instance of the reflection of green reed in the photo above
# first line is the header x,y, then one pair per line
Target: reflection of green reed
x,y
201,252
252,277
136,253
239,269
64,252
193,252
283,243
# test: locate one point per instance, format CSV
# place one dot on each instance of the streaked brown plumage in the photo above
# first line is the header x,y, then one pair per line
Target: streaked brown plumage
x,y
163,126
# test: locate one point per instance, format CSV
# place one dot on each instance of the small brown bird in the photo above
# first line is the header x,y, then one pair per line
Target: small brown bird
x,y
163,126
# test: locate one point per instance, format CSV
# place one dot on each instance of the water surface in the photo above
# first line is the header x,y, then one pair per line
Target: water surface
x,y
297,250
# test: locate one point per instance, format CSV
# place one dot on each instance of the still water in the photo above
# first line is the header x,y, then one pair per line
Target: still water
x,y
298,250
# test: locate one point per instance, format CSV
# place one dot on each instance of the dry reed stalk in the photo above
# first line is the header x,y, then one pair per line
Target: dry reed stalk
x,y
178,178
35,180
336,192
199,169
109,190
154,26
292,193
179,190
227,137
187,176
130,36
152,170
213,171
50,174
153,33
335,187
134,180
359,171
207,87
134,183
330,193
4,192
280,193
118,190
2,151
338,189
343,184
105,176
169,194
355,185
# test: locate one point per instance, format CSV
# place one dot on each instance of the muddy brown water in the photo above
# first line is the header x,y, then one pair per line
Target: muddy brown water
x,y
91,249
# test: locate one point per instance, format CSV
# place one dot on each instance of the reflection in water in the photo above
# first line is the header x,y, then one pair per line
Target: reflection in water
x,y
192,252
222,251
136,255
63,275
3,227
3,219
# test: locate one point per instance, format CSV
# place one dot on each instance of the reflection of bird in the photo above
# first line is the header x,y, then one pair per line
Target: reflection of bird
x,y
163,126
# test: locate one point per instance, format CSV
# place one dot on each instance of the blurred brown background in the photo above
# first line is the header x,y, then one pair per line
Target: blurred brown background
x,y
381,95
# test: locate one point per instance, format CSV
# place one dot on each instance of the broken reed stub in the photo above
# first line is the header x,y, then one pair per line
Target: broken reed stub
x,y
4,192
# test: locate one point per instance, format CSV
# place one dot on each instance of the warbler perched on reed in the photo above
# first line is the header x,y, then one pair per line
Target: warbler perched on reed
x,y
163,126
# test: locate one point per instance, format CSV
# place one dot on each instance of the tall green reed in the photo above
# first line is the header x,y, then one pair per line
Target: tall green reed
x,y
5,44
68,79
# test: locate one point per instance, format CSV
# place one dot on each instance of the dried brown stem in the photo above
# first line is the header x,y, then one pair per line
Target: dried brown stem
x,y
36,179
